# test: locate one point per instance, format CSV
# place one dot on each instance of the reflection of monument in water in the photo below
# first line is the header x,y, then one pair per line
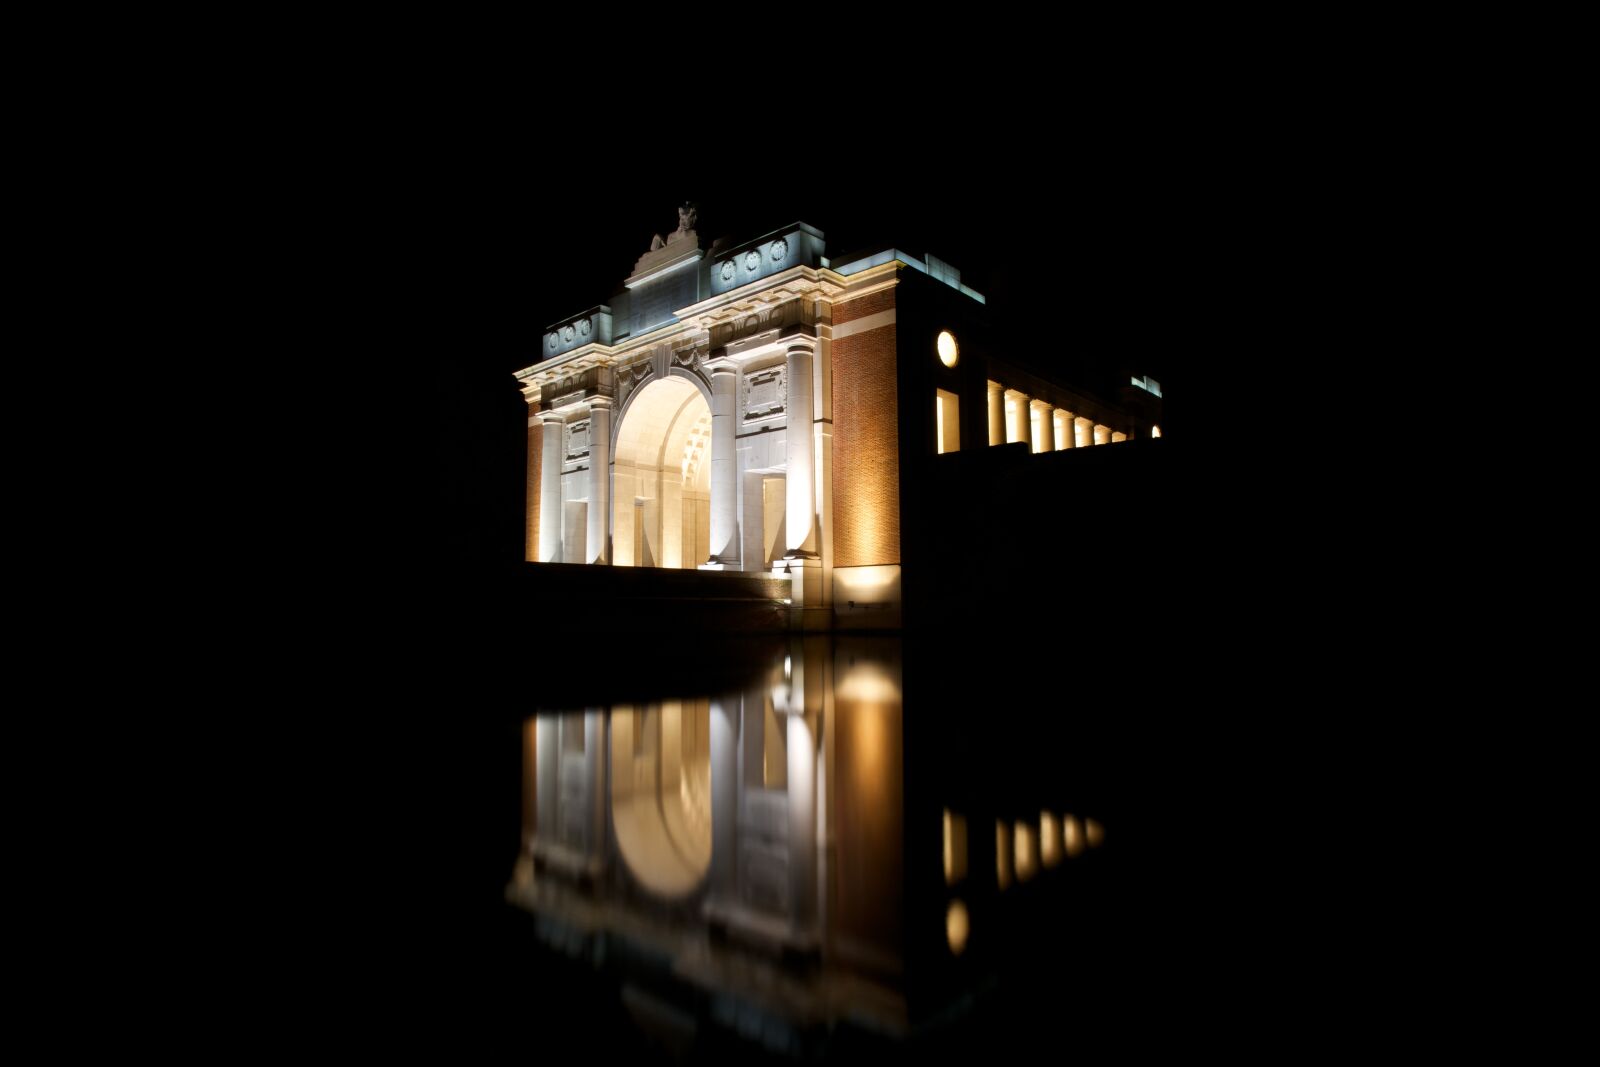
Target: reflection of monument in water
x,y
752,845
718,821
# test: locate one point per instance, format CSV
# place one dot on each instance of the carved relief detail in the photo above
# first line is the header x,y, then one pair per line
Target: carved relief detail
x,y
692,358
749,321
578,439
630,376
765,393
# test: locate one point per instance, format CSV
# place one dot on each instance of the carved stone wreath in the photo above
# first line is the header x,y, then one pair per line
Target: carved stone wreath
x,y
554,340
780,248
566,333
583,327
752,260
631,375
727,270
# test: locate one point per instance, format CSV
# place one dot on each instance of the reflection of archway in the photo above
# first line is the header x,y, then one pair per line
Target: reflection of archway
x,y
661,794
662,486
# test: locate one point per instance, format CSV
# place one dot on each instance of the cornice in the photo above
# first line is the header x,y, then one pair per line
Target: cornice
x,y
797,283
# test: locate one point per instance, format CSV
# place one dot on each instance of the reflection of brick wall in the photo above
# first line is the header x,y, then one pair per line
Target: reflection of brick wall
x,y
866,457
535,460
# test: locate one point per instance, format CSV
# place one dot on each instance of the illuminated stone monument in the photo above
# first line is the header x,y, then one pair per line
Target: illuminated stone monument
x,y
751,406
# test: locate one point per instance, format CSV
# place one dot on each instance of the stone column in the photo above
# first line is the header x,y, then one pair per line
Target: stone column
x,y
997,414
753,521
802,820
552,509
1024,409
547,756
799,480
599,480
596,764
1047,427
1069,430
1085,427
724,797
1102,435
724,463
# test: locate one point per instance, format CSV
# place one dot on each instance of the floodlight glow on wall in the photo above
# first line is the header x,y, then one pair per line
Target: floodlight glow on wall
x,y
948,350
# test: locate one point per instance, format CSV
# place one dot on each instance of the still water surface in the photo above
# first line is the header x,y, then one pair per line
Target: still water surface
x,y
839,845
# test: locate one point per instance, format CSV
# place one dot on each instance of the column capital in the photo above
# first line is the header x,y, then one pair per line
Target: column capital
x,y
721,364
803,346
603,403
549,415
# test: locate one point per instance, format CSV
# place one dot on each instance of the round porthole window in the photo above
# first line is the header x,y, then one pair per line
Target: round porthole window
x,y
948,350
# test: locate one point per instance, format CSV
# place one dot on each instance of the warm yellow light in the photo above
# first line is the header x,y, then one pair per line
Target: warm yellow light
x,y
1072,834
868,683
863,579
947,348
1049,839
1094,832
1155,431
957,926
1026,853
955,847
947,407
1002,854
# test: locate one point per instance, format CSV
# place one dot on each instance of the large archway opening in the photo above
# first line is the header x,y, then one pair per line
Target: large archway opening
x,y
662,478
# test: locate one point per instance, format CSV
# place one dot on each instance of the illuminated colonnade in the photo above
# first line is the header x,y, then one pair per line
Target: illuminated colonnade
x,y
1015,416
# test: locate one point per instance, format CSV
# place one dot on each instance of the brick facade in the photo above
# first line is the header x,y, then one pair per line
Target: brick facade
x,y
860,309
866,439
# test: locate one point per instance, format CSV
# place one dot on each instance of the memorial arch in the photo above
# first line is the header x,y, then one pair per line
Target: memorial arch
x,y
755,406
662,477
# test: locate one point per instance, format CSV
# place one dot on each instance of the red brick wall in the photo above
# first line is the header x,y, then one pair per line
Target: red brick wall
x,y
882,300
535,457
866,440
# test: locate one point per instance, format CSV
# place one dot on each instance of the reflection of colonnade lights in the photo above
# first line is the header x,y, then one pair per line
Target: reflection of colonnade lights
x,y
957,925
1026,853
1049,839
1018,854
1072,834
955,847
